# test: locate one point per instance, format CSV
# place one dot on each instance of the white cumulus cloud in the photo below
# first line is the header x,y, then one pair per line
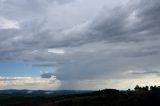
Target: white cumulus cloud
x,y
32,83
8,24
56,51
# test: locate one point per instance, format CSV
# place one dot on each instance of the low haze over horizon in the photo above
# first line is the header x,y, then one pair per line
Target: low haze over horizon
x,y
79,44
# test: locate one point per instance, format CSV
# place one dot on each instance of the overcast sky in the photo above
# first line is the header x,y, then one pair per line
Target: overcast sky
x,y
79,44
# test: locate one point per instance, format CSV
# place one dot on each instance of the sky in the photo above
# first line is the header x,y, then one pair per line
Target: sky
x,y
79,44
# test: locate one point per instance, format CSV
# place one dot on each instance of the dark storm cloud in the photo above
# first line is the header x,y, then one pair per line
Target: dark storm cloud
x,y
113,41
47,75
109,26
134,23
134,27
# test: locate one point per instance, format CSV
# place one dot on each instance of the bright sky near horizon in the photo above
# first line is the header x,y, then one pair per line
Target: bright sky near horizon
x,y
79,44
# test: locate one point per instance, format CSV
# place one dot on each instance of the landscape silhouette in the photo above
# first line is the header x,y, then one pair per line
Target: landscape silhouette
x,y
140,96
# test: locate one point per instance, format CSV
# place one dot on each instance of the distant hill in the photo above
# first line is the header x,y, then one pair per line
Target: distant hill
x,y
47,92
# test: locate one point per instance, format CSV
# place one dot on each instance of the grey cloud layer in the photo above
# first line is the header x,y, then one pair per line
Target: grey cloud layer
x,y
114,41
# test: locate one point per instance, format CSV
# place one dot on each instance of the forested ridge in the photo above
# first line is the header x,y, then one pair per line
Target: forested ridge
x,y
140,96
